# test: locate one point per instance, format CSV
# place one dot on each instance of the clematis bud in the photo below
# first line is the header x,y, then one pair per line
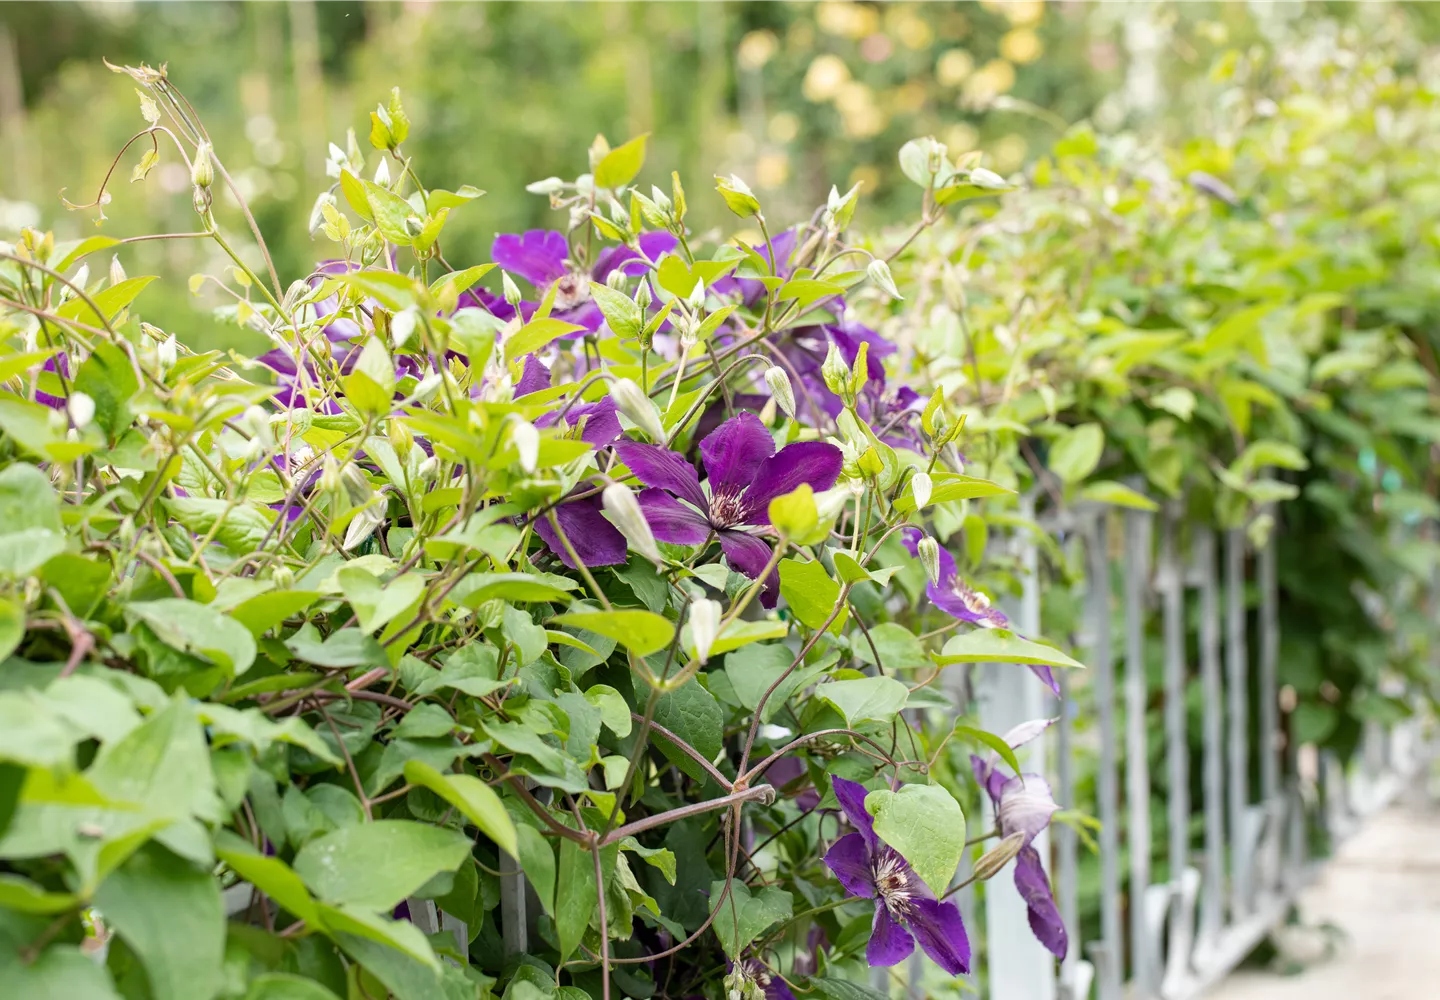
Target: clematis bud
x,y
929,552
550,185
402,325
632,402
879,274
781,389
617,279
696,299
625,514
81,408
527,442
283,577
80,280
835,372
429,470
117,271
400,437
704,626
256,421
382,173
429,385
994,860
317,211
167,352
921,487
202,169
329,475
510,291
643,296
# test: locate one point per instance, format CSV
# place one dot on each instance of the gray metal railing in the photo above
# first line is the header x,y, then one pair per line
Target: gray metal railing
x,y
1175,938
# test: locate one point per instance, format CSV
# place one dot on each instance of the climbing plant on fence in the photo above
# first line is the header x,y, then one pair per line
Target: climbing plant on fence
x,y
579,622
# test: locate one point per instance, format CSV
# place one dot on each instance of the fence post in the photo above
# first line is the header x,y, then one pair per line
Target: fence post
x,y
1018,965
1137,765
1237,785
1212,901
1183,876
1109,952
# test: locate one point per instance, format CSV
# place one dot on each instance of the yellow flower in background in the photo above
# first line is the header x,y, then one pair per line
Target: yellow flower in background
x,y
1008,154
993,79
1021,45
783,127
756,49
850,20
961,138
866,174
953,67
1019,12
907,98
859,113
914,32
772,170
827,73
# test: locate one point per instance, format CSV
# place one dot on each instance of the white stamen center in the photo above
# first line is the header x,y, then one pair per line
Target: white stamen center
x,y
892,882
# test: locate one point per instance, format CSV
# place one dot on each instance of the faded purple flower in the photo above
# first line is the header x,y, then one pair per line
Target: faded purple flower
x,y
745,474
540,256
602,425
1024,805
869,868
773,986
951,595
596,541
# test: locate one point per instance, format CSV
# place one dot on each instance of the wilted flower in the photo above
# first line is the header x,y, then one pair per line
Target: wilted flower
x,y
749,980
868,867
745,474
1023,806
953,596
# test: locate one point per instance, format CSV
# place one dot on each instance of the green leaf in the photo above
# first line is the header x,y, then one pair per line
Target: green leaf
x,y
348,647
376,865
520,588
284,986
390,212
621,312
200,630
811,593
110,300
242,526
376,603
989,739
476,801
536,334
440,198
60,972
270,875
33,734
21,895
844,989
997,645
642,632
1076,453
926,825
741,633
576,897
807,291
796,517
108,378
621,164
693,714
537,857
754,671
741,917
1118,494
949,486
897,646
660,858
401,935
171,916
865,698
263,612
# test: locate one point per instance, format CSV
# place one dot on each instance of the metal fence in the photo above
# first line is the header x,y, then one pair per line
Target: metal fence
x,y
1172,938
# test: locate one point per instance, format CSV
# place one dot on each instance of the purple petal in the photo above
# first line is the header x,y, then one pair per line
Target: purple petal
x,y
672,521
1046,675
750,555
910,537
1027,731
805,462
890,944
652,245
1034,888
663,469
602,426
776,989
538,255
533,377
988,777
849,859
734,452
941,932
851,796
597,542
849,336
586,315
1026,806
958,601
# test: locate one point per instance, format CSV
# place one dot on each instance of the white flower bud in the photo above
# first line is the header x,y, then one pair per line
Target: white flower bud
x,y
879,274
329,475
382,173
81,408
317,211
283,577
632,402
202,169
696,299
987,179
643,295
625,514
256,421
781,389
80,279
117,271
921,487
704,626
832,502
550,185
167,352
835,371
928,551
511,292
429,385
617,279
527,442
429,470
402,325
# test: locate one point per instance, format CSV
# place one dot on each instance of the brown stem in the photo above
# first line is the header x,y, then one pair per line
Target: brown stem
x,y
764,794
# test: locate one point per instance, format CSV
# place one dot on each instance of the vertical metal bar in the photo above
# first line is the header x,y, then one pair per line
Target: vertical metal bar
x,y
1103,668
1018,966
1137,769
1269,671
1237,786
1177,749
1212,904
514,937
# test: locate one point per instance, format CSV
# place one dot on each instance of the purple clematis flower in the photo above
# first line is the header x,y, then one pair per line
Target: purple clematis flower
x,y
602,425
1024,805
540,257
745,474
951,595
596,541
869,868
773,986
